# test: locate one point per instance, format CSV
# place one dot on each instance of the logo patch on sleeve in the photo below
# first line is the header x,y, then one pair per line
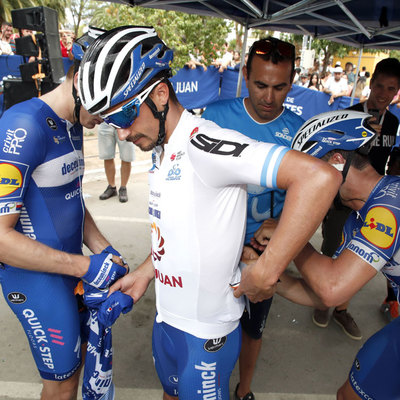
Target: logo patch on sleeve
x,y
10,179
380,227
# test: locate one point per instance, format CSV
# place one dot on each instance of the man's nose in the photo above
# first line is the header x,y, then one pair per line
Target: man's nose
x,y
123,133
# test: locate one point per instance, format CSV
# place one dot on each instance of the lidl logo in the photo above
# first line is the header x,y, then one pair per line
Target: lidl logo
x,y
380,227
10,179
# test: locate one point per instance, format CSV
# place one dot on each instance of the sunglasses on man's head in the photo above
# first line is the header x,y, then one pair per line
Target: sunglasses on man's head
x,y
267,46
124,116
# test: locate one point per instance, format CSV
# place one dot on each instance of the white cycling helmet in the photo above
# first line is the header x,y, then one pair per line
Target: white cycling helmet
x,y
119,64
334,130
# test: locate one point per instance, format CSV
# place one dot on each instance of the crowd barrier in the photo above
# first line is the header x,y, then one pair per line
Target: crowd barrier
x,y
198,88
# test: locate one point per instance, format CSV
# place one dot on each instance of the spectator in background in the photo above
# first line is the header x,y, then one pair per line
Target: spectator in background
x,y
351,76
236,59
7,43
314,83
223,62
324,78
66,45
303,80
107,140
196,60
363,71
336,86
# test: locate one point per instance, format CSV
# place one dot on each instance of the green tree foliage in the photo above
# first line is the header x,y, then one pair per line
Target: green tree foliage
x,y
82,11
184,33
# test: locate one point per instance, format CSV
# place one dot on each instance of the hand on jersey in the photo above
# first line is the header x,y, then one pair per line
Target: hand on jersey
x,y
263,234
252,282
104,269
135,283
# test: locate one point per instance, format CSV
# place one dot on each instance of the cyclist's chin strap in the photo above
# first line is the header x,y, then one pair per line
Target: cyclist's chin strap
x,y
77,99
161,116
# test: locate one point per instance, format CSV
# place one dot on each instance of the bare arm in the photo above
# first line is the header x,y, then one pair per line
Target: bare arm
x,y
92,237
335,281
136,282
310,185
20,251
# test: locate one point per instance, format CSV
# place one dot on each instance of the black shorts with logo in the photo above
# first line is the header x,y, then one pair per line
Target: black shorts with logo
x,y
255,324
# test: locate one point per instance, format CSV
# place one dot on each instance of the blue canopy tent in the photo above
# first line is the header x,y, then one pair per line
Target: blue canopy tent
x,y
359,23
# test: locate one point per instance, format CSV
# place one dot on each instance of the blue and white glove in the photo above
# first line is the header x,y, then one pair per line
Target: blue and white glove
x,y
103,271
111,250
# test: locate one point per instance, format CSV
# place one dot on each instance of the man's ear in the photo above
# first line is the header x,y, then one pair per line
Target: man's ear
x,y
244,71
337,158
160,95
76,81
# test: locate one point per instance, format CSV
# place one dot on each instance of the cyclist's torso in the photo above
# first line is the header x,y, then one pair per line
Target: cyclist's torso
x,y
373,232
41,169
197,208
262,203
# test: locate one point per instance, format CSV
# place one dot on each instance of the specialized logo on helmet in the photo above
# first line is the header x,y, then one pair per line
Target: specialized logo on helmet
x,y
314,126
380,227
135,78
10,179
157,248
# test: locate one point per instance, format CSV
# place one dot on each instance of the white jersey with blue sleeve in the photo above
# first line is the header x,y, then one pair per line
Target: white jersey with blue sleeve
x,y
198,214
262,203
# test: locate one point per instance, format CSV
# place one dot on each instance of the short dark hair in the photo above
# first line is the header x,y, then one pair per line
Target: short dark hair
x,y
389,67
275,56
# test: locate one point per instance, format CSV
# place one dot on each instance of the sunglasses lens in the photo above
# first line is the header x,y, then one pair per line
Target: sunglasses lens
x,y
124,118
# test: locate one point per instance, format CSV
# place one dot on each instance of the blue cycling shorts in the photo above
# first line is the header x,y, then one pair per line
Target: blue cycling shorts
x,y
194,368
47,309
376,370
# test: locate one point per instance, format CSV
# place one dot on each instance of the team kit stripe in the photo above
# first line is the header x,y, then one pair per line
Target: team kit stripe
x,y
271,165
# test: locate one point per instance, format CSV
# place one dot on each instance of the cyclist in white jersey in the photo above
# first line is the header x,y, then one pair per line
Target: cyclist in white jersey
x,y
370,243
197,210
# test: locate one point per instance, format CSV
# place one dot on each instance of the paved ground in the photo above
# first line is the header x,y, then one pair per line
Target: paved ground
x,y
299,361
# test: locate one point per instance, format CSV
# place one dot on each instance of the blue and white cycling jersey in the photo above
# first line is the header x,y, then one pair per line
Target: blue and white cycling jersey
x,y
262,203
373,232
41,168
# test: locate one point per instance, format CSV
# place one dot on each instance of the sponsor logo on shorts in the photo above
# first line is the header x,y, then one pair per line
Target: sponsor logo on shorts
x,y
157,241
209,385
51,123
38,337
16,298
10,179
173,379
213,345
14,140
217,146
380,227
358,389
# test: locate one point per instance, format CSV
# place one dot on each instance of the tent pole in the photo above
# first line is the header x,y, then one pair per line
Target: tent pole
x,y
353,92
240,77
